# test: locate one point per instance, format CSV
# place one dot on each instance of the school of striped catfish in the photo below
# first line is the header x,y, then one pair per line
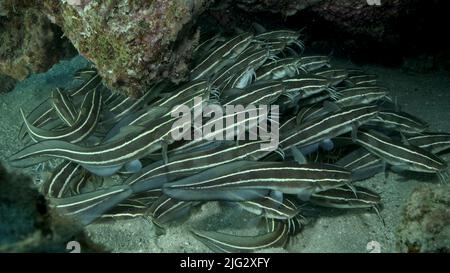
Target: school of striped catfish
x,y
337,127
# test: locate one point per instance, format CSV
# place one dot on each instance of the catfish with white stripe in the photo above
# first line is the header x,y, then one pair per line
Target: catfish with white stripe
x,y
278,69
361,95
234,181
39,116
362,163
336,123
271,208
319,98
85,73
253,59
86,87
216,58
346,198
305,85
206,46
166,209
222,242
309,112
314,62
82,128
434,142
133,142
136,205
229,130
148,97
367,79
276,47
165,108
256,94
287,37
183,93
62,180
289,67
335,75
399,121
400,155
158,173
87,207
126,209
64,107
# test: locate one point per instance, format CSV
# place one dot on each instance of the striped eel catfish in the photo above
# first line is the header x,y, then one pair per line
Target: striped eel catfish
x,y
399,121
311,63
278,69
362,163
81,128
158,173
336,123
402,156
247,180
253,59
147,197
319,98
121,104
346,198
64,107
243,122
271,208
277,47
85,73
309,112
133,142
296,224
87,207
227,243
287,37
132,107
45,113
364,79
126,209
183,93
204,47
63,180
87,86
185,97
112,96
166,209
288,124
260,93
361,95
137,205
215,59
434,142
39,116
335,75
304,85
289,67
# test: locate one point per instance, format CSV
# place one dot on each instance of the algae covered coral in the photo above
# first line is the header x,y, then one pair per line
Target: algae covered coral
x,y
131,43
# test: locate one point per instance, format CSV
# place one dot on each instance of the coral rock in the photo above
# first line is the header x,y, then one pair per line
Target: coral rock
x,y
30,42
131,43
426,221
